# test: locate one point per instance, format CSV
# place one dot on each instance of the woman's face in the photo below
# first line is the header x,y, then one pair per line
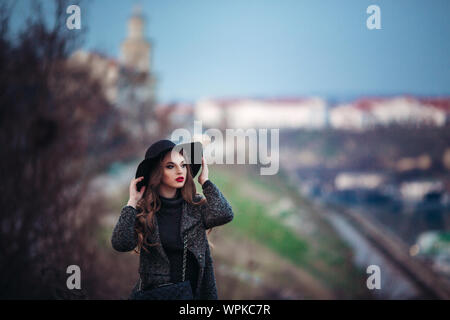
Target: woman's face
x,y
174,168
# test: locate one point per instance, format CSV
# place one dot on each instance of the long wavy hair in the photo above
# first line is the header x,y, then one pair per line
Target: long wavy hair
x,y
150,203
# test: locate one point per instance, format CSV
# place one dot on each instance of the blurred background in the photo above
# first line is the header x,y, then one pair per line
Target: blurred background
x,y
364,141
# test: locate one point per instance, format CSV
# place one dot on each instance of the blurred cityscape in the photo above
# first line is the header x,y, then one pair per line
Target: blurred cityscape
x,y
364,180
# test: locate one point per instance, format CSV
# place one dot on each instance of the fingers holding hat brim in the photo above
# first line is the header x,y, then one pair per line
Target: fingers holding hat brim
x,y
143,170
195,168
193,151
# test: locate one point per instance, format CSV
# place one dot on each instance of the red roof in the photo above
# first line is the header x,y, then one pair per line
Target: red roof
x,y
367,104
439,103
227,102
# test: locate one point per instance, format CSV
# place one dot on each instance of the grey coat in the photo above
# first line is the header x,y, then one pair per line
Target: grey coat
x,y
154,267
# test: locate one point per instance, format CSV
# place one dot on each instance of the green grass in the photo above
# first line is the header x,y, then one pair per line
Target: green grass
x,y
444,236
252,220
324,255
285,213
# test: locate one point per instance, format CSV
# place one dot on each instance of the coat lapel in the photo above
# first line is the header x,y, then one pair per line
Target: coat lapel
x,y
187,221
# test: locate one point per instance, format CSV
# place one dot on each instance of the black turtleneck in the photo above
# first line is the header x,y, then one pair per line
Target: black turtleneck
x,y
169,223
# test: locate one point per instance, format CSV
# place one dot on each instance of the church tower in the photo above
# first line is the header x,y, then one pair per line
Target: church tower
x,y
135,50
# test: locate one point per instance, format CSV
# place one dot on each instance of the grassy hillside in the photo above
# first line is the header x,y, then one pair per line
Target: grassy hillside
x,y
271,214
276,247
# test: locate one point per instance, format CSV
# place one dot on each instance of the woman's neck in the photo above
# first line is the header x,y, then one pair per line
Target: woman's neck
x,y
167,192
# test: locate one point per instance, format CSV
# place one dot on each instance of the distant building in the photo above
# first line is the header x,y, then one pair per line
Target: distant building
x,y
356,180
347,116
442,104
308,113
137,81
135,50
128,82
415,191
369,112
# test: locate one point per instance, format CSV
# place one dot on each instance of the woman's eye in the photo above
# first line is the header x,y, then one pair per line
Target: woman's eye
x,y
169,166
184,165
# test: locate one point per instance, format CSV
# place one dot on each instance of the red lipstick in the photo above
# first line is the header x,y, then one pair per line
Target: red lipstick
x,y
179,179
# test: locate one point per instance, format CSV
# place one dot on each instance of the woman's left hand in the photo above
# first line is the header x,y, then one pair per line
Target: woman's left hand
x,y
204,173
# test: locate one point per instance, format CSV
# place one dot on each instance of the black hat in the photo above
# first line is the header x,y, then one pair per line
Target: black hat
x,y
193,151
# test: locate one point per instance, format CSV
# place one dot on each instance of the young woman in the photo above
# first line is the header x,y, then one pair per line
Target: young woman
x,y
163,209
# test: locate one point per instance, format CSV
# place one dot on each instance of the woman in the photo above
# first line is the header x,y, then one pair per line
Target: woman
x,y
163,208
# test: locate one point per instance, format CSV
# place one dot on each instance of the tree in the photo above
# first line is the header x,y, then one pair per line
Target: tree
x,y
58,130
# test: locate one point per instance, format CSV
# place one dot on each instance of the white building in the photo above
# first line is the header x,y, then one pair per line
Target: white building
x,y
368,112
310,113
415,191
347,116
358,180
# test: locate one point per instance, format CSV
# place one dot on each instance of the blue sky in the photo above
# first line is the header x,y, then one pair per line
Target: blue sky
x,y
277,48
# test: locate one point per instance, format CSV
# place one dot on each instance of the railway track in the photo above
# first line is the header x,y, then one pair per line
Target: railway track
x,y
433,285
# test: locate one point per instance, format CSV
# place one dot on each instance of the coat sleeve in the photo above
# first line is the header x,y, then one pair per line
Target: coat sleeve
x,y
217,211
124,237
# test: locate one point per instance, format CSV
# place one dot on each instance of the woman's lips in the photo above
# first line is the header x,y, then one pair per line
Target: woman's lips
x,y
179,179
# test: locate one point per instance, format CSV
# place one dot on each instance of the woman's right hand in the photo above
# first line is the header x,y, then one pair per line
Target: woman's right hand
x,y
135,196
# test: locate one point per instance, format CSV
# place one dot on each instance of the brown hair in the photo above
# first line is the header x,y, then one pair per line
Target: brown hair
x,y
150,202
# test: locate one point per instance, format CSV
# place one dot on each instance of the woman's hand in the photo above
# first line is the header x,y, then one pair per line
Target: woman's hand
x,y
204,174
135,196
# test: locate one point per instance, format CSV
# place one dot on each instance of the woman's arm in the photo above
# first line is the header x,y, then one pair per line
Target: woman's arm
x,y
124,237
217,211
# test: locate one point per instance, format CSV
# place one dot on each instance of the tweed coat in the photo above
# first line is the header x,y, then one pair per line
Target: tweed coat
x,y
154,268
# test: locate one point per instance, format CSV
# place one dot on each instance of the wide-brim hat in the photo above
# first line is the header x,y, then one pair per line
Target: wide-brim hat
x,y
193,152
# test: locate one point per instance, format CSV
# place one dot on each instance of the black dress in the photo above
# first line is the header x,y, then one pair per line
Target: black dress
x,y
169,223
